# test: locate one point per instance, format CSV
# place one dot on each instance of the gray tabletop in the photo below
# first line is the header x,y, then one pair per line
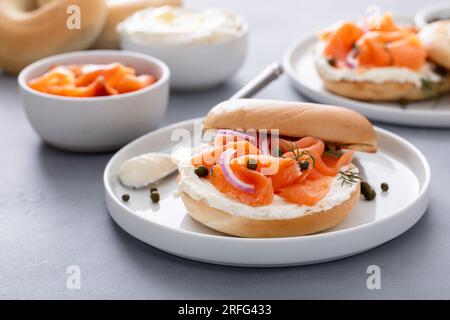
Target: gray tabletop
x,y
53,215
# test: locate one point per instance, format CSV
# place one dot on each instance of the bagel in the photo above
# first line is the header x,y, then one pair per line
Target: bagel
x,y
389,91
229,211
435,38
118,10
378,62
296,119
29,32
239,226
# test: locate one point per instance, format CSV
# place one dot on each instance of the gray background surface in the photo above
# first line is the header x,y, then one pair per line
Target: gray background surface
x,y
52,210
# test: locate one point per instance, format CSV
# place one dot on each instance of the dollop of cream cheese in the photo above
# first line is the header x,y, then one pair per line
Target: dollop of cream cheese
x,y
202,189
145,169
172,26
376,75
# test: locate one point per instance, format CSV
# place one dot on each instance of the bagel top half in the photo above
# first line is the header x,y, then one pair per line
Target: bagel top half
x,y
334,125
435,37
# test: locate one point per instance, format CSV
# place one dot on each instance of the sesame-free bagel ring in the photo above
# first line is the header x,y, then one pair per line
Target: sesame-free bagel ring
x,y
31,30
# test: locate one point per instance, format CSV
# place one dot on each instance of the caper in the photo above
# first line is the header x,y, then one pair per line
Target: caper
x,y
201,171
153,189
370,195
331,61
304,165
252,164
155,197
384,186
125,197
365,187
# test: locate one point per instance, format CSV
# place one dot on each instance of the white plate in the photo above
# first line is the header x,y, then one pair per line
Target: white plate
x,y
298,62
168,227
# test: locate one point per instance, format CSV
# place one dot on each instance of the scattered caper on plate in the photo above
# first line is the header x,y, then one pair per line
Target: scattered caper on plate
x,y
155,197
367,191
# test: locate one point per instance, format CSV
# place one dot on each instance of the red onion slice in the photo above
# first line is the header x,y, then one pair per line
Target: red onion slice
x,y
237,134
264,146
224,162
351,61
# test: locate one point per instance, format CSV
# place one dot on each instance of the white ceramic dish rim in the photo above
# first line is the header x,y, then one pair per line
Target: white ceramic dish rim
x,y
422,16
165,73
423,193
244,31
380,107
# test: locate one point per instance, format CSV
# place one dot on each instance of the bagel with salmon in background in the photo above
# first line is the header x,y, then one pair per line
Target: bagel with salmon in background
x,y
378,60
275,168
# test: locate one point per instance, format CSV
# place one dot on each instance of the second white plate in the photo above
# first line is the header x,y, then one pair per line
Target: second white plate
x,y
168,227
298,62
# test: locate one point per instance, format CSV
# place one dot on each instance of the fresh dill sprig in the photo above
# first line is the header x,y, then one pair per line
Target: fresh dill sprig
x,y
299,154
349,177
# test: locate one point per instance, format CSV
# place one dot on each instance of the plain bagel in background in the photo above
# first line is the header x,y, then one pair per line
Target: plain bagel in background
x,y
34,29
29,33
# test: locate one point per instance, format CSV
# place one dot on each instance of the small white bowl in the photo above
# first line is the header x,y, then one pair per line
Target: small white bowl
x,y
438,11
198,66
99,123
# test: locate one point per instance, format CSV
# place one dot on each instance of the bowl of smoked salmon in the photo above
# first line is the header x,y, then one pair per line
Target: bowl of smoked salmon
x,y
92,101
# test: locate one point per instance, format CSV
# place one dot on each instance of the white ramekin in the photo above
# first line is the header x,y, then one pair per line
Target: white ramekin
x,y
197,66
98,123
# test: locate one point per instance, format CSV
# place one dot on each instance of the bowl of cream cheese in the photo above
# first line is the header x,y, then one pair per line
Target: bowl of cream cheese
x,y
202,48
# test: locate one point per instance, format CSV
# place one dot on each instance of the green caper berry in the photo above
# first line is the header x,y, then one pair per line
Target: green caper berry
x,y
370,195
125,197
384,186
304,165
252,164
331,61
153,189
155,197
365,187
201,171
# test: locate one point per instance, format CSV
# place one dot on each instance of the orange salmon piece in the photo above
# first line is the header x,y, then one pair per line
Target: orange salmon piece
x,y
282,171
407,52
91,90
262,195
338,163
211,157
373,53
307,193
56,77
130,83
340,42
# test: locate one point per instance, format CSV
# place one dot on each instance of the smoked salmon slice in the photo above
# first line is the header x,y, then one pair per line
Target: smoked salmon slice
x,y
341,41
380,43
211,157
91,80
307,193
263,191
261,176
282,171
